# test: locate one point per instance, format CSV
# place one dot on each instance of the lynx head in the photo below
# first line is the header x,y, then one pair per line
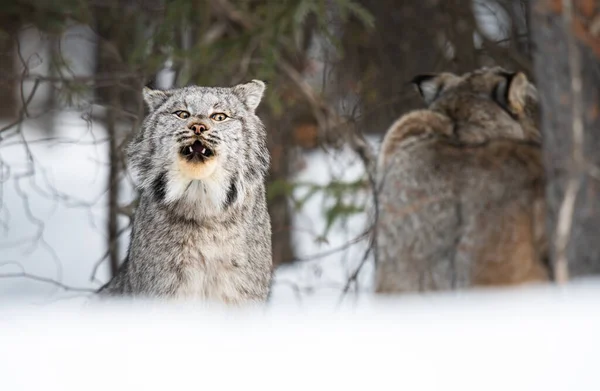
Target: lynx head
x,y
204,139
498,102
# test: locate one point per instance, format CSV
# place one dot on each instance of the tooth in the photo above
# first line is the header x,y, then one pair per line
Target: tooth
x,y
191,149
203,150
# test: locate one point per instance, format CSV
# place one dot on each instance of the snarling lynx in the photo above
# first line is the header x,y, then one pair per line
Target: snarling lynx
x,y
202,229
461,198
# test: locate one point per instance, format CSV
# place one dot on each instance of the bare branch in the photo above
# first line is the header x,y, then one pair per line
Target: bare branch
x,y
47,281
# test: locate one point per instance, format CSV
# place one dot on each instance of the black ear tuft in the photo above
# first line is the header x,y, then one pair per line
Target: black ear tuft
x,y
500,93
422,78
513,91
428,85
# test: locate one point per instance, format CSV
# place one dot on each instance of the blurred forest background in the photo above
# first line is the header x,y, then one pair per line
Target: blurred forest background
x,y
338,74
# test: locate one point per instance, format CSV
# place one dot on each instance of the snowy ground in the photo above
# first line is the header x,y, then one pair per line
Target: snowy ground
x,y
529,340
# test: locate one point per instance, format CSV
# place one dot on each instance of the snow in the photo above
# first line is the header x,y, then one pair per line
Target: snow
x,y
535,339
70,229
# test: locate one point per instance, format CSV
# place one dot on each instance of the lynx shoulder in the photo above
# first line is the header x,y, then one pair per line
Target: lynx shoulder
x,y
460,200
202,230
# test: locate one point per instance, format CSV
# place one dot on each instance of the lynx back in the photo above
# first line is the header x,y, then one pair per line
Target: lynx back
x,y
461,187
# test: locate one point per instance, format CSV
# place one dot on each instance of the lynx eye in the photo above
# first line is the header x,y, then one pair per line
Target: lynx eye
x,y
182,114
219,117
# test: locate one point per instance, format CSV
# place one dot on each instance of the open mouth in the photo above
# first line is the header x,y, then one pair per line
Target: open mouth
x,y
196,151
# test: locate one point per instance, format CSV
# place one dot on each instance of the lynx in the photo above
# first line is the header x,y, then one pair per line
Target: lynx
x,y
461,197
202,229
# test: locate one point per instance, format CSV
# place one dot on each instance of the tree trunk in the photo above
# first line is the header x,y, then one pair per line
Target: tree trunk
x,y
110,97
566,37
280,146
56,63
8,74
119,94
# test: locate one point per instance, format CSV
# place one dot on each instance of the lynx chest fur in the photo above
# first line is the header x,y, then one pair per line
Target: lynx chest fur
x,y
213,266
202,229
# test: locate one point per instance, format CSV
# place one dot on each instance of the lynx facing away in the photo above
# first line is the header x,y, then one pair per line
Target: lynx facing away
x,y
202,229
461,187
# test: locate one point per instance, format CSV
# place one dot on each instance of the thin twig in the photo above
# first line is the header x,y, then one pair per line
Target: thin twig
x,y
324,254
46,280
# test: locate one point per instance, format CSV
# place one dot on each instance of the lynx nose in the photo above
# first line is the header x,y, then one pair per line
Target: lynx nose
x,y
198,128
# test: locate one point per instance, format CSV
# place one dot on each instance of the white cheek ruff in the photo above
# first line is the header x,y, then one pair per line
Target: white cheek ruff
x,y
204,197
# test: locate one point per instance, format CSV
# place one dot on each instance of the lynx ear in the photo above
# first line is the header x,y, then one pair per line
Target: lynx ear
x,y
429,86
154,98
515,91
520,91
250,93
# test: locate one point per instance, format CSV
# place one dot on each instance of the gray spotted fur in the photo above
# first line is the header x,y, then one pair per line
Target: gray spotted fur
x,y
207,239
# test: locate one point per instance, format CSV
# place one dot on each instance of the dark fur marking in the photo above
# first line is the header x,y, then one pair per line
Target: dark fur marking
x,y
264,162
145,166
501,97
183,138
231,194
213,137
252,172
152,149
420,79
159,186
